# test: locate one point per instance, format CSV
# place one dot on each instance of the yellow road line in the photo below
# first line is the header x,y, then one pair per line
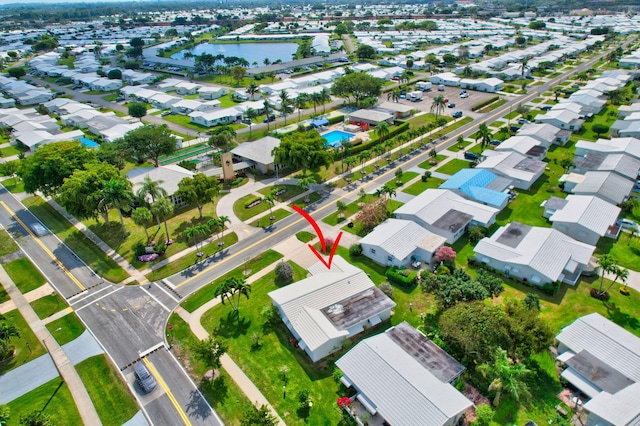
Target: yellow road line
x,y
45,248
491,117
162,383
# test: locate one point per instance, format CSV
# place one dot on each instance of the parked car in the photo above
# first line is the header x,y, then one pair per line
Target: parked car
x,y
464,95
269,118
120,99
495,142
451,105
471,156
523,121
144,378
546,107
514,128
246,121
462,92
628,224
457,114
446,100
165,113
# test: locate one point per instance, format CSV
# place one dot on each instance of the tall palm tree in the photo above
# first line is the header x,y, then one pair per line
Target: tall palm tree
x,y
223,220
315,99
142,217
394,95
196,233
252,89
363,157
117,194
163,208
484,134
151,188
299,103
507,377
267,111
378,150
607,264
524,65
382,130
251,114
325,96
305,184
285,101
7,331
349,162
214,226
437,107
271,200
230,291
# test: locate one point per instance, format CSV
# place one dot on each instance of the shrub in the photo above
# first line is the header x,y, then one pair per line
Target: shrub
x,y
139,249
387,289
484,103
254,202
428,282
604,296
161,248
550,288
355,250
443,270
445,254
484,415
402,278
284,272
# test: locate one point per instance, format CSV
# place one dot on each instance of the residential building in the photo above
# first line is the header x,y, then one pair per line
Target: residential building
x,y
403,378
534,254
629,146
528,146
609,186
258,154
168,176
371,117
331,305
547,134
621,164
216,116
481,186
523,171
563,119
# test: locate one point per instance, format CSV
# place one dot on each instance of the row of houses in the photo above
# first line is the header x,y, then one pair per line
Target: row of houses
x,y
491,84
32,129
24,93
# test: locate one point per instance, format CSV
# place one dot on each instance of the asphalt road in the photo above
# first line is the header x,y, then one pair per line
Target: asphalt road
x,y
129,322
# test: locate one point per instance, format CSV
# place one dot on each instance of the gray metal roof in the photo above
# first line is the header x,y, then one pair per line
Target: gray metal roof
x,y
589,211
599,373
453,220
398,386
400,238
259,151
607,185
623,408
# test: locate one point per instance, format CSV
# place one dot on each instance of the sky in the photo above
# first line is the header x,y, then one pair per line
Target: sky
x,y
2,2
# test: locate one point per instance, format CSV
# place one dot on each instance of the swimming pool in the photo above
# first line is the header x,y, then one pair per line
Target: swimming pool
x,y
335,137
89,143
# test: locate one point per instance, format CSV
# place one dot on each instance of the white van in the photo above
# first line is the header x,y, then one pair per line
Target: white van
x,y
441,88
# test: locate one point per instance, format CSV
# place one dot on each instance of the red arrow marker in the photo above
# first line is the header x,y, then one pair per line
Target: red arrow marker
x,y
322,241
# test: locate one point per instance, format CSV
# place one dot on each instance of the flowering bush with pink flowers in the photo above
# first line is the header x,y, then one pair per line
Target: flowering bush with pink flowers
x,y
148,257
343,402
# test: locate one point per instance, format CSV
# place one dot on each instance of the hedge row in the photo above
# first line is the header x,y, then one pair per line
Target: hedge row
x,y
400,277
250,203
484,103
374,141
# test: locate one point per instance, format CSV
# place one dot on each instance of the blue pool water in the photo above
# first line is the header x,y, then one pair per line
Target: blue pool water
x,y
335,137
88,143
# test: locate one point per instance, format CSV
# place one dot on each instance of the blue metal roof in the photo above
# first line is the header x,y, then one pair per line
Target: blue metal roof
x,y
472,182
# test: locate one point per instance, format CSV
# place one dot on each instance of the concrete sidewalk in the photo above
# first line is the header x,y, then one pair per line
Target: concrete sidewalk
x,y
60,359
44,290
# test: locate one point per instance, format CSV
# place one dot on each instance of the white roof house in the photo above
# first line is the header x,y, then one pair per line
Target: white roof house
x,y
525,145
609,186
446,78
330,306
563,119
630,146
397,242
619,163
403,378
258,152
371,116
169,175
523,170
446,213
212,92
602,361
215,116
586,218
547,134
538,255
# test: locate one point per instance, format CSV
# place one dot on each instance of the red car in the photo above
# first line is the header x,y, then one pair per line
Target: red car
x,y
446,100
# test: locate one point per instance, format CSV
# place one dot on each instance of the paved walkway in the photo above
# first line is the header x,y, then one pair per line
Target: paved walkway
x,y
60,359
43,290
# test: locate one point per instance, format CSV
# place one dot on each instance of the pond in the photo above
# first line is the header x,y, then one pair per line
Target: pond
x,y
252,52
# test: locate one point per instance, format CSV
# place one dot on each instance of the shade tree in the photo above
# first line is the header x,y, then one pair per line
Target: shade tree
x,y
199,189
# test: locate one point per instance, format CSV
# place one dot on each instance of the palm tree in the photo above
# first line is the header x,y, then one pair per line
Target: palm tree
x,y
299,103
7,331
231,287
305,184
382,130
196,233
437,107
325,96
378,150
394,96
117,194
363,157
404,77
349,162
252,89
484,134
616,97
507,377
607,264
618,272
524,65
285,101
163,208
142,217
214,226
267,112
151,188
271,200
315,99
251,114
223,220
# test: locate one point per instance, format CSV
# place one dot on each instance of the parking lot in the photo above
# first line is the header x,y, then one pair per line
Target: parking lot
x,y
452,94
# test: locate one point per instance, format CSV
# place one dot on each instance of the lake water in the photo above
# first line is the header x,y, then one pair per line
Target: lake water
x,y
252,52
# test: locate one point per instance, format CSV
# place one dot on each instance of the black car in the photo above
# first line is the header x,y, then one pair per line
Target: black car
x,y
495,142
514,128
145,379
451,105
471,156
269,118
246,121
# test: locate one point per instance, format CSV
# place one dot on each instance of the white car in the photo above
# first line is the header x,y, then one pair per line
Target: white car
x,y
628,224
464,95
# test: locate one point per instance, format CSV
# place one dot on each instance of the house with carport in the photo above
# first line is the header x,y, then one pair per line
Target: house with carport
x,y
585,218
534,254
169,177
563,119
522,170
525,145
547,134
259,153
481,186
601,360
216,116
401,243
609,186
400,377
330,306
629,146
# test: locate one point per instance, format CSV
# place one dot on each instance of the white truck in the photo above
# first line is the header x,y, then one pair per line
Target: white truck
x,y
415,96
424,85
441,88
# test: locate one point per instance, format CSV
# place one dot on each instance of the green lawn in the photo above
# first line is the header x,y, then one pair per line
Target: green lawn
x,y
13,185
459,123
111,98
493,106
607,117
459,146
427,164
68,61
291,191
419,187
453,166
205,293
53,399
278,214
81,245
48,305
184,262
305,236
300,202
406,177
7,245
423,120
22,353
66,328
107,390
24,274
243,213
9,151
262,365
227,101
185,121
511,115
223,393
626,250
